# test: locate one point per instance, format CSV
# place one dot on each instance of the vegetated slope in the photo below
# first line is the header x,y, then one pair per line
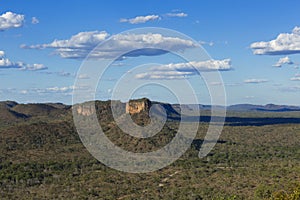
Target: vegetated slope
x,y
43,158
33,110
21,139
11,112
7,115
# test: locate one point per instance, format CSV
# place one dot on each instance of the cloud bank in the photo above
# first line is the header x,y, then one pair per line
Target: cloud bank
x,y
81,44
184,70
7,63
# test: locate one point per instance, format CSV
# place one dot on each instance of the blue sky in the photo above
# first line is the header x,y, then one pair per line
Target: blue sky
x,y
261,39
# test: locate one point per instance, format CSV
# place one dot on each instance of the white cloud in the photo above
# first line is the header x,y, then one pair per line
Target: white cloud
x,y
255,81
282,61
33,67
163,75
2,54
63,73
6,63
233,84
181,14
118,64
295,78
11,20
83,76
64,90
81,44
59,89
216,83
140,19
81,40
24,91
207,43
208,65
285,43
184,70
35,20
295,88
60,73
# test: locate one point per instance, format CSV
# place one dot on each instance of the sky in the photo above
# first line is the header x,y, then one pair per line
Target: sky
x,y
253,45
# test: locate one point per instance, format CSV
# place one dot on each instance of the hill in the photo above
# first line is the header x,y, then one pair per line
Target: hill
x,y
33,110
8,115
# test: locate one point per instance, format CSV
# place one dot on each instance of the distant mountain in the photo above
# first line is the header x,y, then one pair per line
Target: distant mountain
x,y
240,107
264,108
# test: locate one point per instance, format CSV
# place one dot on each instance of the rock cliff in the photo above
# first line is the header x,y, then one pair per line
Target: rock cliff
x,y
137,106
85,110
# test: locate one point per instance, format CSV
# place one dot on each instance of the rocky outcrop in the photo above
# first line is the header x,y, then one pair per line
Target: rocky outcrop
x,y
85,110
138,106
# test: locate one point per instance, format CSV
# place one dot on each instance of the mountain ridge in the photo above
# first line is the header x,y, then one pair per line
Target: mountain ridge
x,y
13,110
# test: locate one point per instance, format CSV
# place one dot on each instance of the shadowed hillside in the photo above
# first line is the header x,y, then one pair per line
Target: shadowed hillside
x,y
8,115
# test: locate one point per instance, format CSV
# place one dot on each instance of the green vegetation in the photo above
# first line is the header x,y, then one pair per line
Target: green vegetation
x,y
42,157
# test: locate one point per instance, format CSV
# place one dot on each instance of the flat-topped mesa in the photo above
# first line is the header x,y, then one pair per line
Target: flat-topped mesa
x,y
138,105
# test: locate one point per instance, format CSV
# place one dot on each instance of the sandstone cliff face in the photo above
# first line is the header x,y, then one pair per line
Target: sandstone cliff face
x,y
85,110
137,106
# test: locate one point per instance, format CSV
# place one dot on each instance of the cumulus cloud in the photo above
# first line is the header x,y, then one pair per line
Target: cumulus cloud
x,y
81,40
184,70
10,20
285,43
295,78
255,81
181,14
140,19
6,63
283,61
81,44
35,20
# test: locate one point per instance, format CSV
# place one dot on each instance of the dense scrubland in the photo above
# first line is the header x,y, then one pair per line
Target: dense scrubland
x,y
42,157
